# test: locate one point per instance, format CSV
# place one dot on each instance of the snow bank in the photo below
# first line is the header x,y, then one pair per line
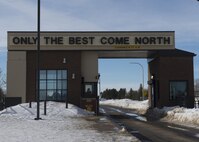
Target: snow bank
x,y
171,114
17,124
54,110
180,114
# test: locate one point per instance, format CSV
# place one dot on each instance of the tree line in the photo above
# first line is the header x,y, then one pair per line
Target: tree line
x,y
122,93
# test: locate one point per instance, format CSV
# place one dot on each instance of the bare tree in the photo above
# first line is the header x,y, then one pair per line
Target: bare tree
x,y
2,84
2,80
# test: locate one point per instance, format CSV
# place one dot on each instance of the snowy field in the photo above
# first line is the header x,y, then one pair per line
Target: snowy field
x,y
175,114
17,124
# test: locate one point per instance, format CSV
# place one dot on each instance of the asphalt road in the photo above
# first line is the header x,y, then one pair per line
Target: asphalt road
x,y
149,131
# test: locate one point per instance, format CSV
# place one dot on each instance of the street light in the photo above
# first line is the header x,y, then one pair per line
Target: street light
x,y
142,77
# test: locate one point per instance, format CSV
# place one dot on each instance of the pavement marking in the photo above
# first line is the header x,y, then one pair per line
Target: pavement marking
x,y
102,110
114,109
132,114
177,128
137,116
141,118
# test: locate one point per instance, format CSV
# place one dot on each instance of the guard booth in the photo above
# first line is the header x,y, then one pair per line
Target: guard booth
x,y
171,79
69,66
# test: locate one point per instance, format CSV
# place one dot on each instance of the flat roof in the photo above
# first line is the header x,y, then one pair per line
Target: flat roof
x,y
145,54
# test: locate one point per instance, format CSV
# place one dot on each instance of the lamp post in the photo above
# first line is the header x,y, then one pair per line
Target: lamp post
x,y
37,63
142,77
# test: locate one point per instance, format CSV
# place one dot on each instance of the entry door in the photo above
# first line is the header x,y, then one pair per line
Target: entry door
x,y
53,85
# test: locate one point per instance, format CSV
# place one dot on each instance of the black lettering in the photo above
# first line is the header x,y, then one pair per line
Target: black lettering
x,y
152,40
119,40
145,40
138,40
111,40
53,40
34,40
115,40
60,40
71,40
16,40
81,40
159,40
24,40
78,40
30,40
91,39
103,40
167,40
126,40
84,40
46,40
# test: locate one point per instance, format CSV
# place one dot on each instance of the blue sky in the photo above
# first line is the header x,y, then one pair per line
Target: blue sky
x,y
180,16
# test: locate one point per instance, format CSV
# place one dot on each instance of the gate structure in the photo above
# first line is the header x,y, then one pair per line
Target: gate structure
x,y
69,66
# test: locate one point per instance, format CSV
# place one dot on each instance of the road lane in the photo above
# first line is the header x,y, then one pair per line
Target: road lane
x,y
149,131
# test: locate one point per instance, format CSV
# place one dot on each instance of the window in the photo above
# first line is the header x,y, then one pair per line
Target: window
x,y
178,90
90,89
53,85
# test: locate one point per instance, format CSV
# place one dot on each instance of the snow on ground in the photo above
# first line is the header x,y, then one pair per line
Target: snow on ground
x,y
179,115
140,106
17,124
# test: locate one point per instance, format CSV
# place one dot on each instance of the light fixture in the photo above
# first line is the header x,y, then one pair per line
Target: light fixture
x,y
64,61
73,76
97,77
